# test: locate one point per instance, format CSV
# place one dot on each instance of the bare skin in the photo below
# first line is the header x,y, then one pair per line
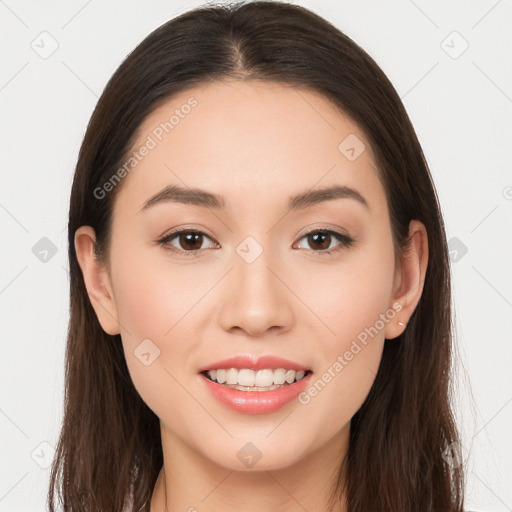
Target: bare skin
x,y
256,145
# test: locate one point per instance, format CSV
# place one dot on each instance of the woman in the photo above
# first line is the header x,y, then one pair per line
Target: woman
x,y
260,295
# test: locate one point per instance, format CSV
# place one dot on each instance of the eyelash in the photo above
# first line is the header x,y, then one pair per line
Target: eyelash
x,y
345,241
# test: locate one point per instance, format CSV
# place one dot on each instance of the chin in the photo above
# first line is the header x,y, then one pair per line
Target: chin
x,y
247,456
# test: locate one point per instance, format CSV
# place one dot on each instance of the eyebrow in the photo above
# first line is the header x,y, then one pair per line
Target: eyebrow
x,y
199,197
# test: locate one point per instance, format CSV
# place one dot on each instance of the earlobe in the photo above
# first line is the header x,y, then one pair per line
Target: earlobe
x,y
97,280
409,279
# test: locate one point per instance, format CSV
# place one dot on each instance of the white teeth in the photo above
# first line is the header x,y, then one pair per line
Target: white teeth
x,y
221,375
264,378
299,374
247,378
279,376
232,376
290,376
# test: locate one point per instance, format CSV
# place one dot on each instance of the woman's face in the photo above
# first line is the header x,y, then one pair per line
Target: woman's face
x,y
261,282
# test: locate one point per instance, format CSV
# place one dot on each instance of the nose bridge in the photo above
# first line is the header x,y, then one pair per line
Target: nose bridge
x,y
257,300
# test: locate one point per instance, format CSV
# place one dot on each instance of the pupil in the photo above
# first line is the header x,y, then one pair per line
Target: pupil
x,y
191,239
320,239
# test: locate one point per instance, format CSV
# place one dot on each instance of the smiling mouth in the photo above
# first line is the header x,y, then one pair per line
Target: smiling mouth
x,y
245,379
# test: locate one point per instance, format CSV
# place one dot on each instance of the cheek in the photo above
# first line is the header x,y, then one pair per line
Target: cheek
x,y
153,293
354,306
143,300
347,298
158,304
146,301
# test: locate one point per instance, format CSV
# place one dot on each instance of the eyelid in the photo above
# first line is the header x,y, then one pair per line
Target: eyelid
x,y
179,229
313,228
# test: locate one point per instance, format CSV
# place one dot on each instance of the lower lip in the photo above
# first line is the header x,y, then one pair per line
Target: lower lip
x,y
256,402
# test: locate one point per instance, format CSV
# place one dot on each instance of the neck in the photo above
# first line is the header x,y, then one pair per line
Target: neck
x,y
190,482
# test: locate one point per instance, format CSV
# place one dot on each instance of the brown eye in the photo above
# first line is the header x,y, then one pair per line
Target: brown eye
x,y
190,240
319,240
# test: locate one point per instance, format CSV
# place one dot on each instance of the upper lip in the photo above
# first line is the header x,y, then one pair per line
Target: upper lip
x,y
252,363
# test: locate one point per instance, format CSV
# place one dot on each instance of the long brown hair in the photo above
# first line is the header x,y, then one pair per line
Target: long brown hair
x,y
110,441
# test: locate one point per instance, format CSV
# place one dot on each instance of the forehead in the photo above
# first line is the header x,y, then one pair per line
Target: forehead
x,y
261,139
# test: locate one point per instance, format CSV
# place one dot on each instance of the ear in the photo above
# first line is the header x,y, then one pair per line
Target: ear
x,y
97,280
409,279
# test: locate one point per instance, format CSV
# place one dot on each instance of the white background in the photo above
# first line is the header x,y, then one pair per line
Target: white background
x,y
462,111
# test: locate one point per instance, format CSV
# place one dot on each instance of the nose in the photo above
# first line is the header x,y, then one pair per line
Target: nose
x,y
255,298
